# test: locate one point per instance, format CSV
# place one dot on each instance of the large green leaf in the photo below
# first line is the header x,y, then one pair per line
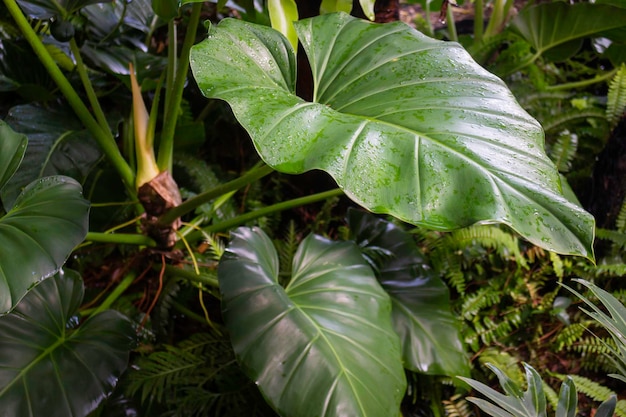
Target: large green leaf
x,y
420,301
12,148
57,145
48,220
558,24
44,9
323,346
407,125
48,367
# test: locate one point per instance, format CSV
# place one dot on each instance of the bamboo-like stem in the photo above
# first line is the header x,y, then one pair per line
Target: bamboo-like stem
x,y
188,313
91,93
191,276
121,238
451,25
172,55
582,83
166,146
116,293
102,136
285,205
189,205
479,22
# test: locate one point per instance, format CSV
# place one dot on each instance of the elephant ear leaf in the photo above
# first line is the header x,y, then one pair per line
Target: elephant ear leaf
x,y
12,149
421,312
49,367
406,125
49,218
326,337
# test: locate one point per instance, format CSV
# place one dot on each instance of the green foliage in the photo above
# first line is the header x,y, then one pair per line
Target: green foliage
x,y
47,349
342,140
616,97
356,352
197,377
531,402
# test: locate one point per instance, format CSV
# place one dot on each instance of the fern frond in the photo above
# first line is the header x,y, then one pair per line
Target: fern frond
x,y
200,178
551,395
457,406
620,222
214,247
568,336
615,270
286,249
503,242
161,314
571,116
616,97
157,375
481,299
591,389
564,150
490,330
616,237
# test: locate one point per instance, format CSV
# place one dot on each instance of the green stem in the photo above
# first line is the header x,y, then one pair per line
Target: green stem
x,y
172,53
451,25
582,83
116,293
191,276
166,146
91,93
495,19
189,205
121,238
285,205
188,313
431,31
103,137
479,22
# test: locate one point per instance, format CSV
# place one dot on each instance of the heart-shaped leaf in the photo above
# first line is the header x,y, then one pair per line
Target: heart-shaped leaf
x,y
48,220
407,125
559,24
323,346
12,148
420,301
50,368
57,145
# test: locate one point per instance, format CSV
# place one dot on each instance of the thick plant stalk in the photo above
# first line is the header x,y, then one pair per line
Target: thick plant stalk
x,y
478,21
166,146
189,205
91,94
285,205
103,137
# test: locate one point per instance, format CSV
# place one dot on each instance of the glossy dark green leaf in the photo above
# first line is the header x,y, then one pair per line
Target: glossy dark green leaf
x,y
57,145
12,148
48,220
45,9
323,346
568,400
49,367
551,25
421,312
166,9
406,125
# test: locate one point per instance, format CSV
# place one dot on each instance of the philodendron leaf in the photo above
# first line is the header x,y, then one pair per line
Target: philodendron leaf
x,y
48,367
407,125
558,24
323,346
12,148
48,220
420,301
57,145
